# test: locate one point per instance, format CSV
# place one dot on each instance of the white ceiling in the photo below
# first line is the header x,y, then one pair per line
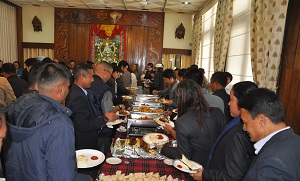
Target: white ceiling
x,y
168,6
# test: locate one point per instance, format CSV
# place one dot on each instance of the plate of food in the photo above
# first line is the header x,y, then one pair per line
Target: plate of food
x,y
118,121
186,165
175,111
127,97
87,158
122,113
163,101
163,121
156,138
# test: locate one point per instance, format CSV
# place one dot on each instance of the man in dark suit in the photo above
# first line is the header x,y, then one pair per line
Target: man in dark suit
x,y
277,146
18,85
86,123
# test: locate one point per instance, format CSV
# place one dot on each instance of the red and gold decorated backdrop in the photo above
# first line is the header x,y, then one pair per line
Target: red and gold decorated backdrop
x,y
144,33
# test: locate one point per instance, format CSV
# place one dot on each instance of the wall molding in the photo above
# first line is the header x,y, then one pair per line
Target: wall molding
x,y
38,45
177,51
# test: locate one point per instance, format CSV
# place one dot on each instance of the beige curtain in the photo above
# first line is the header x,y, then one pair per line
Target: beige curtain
x,y
35,52
166,61
8,33
267,30
222,33
196,39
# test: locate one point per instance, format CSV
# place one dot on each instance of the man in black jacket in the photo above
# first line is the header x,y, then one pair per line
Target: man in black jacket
x,y
18,85
232,153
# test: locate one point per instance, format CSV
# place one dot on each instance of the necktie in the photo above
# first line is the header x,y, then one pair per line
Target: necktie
x,y
230,125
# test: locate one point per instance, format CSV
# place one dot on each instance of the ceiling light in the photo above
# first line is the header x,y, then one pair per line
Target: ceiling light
x,y
186,2
143,3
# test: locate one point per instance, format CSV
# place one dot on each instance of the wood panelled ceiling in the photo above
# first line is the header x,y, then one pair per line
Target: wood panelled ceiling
x,y
168,6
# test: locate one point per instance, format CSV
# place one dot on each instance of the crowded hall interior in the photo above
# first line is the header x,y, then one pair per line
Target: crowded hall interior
x,y
149,90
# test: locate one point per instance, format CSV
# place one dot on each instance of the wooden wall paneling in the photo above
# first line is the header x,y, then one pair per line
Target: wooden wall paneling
x,y
136,46
61,38
289,85
153,20
20,36
78,42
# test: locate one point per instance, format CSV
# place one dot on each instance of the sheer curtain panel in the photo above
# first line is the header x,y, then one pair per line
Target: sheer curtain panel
x,y
8,33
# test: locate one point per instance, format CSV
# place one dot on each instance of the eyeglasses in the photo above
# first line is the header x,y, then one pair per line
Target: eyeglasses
x,y
108,72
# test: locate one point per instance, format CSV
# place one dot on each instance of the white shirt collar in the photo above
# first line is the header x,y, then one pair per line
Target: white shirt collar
x,y
258,145
85,92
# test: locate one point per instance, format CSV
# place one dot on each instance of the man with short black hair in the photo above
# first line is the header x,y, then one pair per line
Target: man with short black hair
x,y
28,64
277,146
218,82
170,79
197,76
40,141
18,85
85,121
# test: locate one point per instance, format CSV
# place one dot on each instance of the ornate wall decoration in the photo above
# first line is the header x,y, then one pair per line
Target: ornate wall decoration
x,y
153,20
180,32
115,16
37,24
61,46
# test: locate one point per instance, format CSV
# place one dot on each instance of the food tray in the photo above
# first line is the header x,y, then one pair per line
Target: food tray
x,y
145,99
137,152
151,104
138,122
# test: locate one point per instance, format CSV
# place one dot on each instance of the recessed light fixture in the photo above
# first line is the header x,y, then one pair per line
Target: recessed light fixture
x,y
186,2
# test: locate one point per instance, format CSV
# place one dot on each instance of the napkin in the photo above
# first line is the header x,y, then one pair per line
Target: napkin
x,y
190,163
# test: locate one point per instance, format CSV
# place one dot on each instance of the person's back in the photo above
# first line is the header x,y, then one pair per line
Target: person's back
x,y
40,143
7,95
18,85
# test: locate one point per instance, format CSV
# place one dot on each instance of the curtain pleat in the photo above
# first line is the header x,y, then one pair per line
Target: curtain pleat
x,y
222,33
35,52
267,30
8,33
196,40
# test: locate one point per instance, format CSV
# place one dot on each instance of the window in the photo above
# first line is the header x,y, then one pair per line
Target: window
x,y
207,41
238,61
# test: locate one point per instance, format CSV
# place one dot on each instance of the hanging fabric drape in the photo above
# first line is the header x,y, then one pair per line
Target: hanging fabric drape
x,y
8,33
222,33
196,41
267,30
107,31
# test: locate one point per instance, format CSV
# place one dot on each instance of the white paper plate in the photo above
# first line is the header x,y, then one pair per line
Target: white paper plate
x,y
148,138
168,161
181,166
89,153
119,114
171,123
113,160
118,121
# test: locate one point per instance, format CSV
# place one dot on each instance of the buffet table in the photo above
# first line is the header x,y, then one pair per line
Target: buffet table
x,y
131,164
